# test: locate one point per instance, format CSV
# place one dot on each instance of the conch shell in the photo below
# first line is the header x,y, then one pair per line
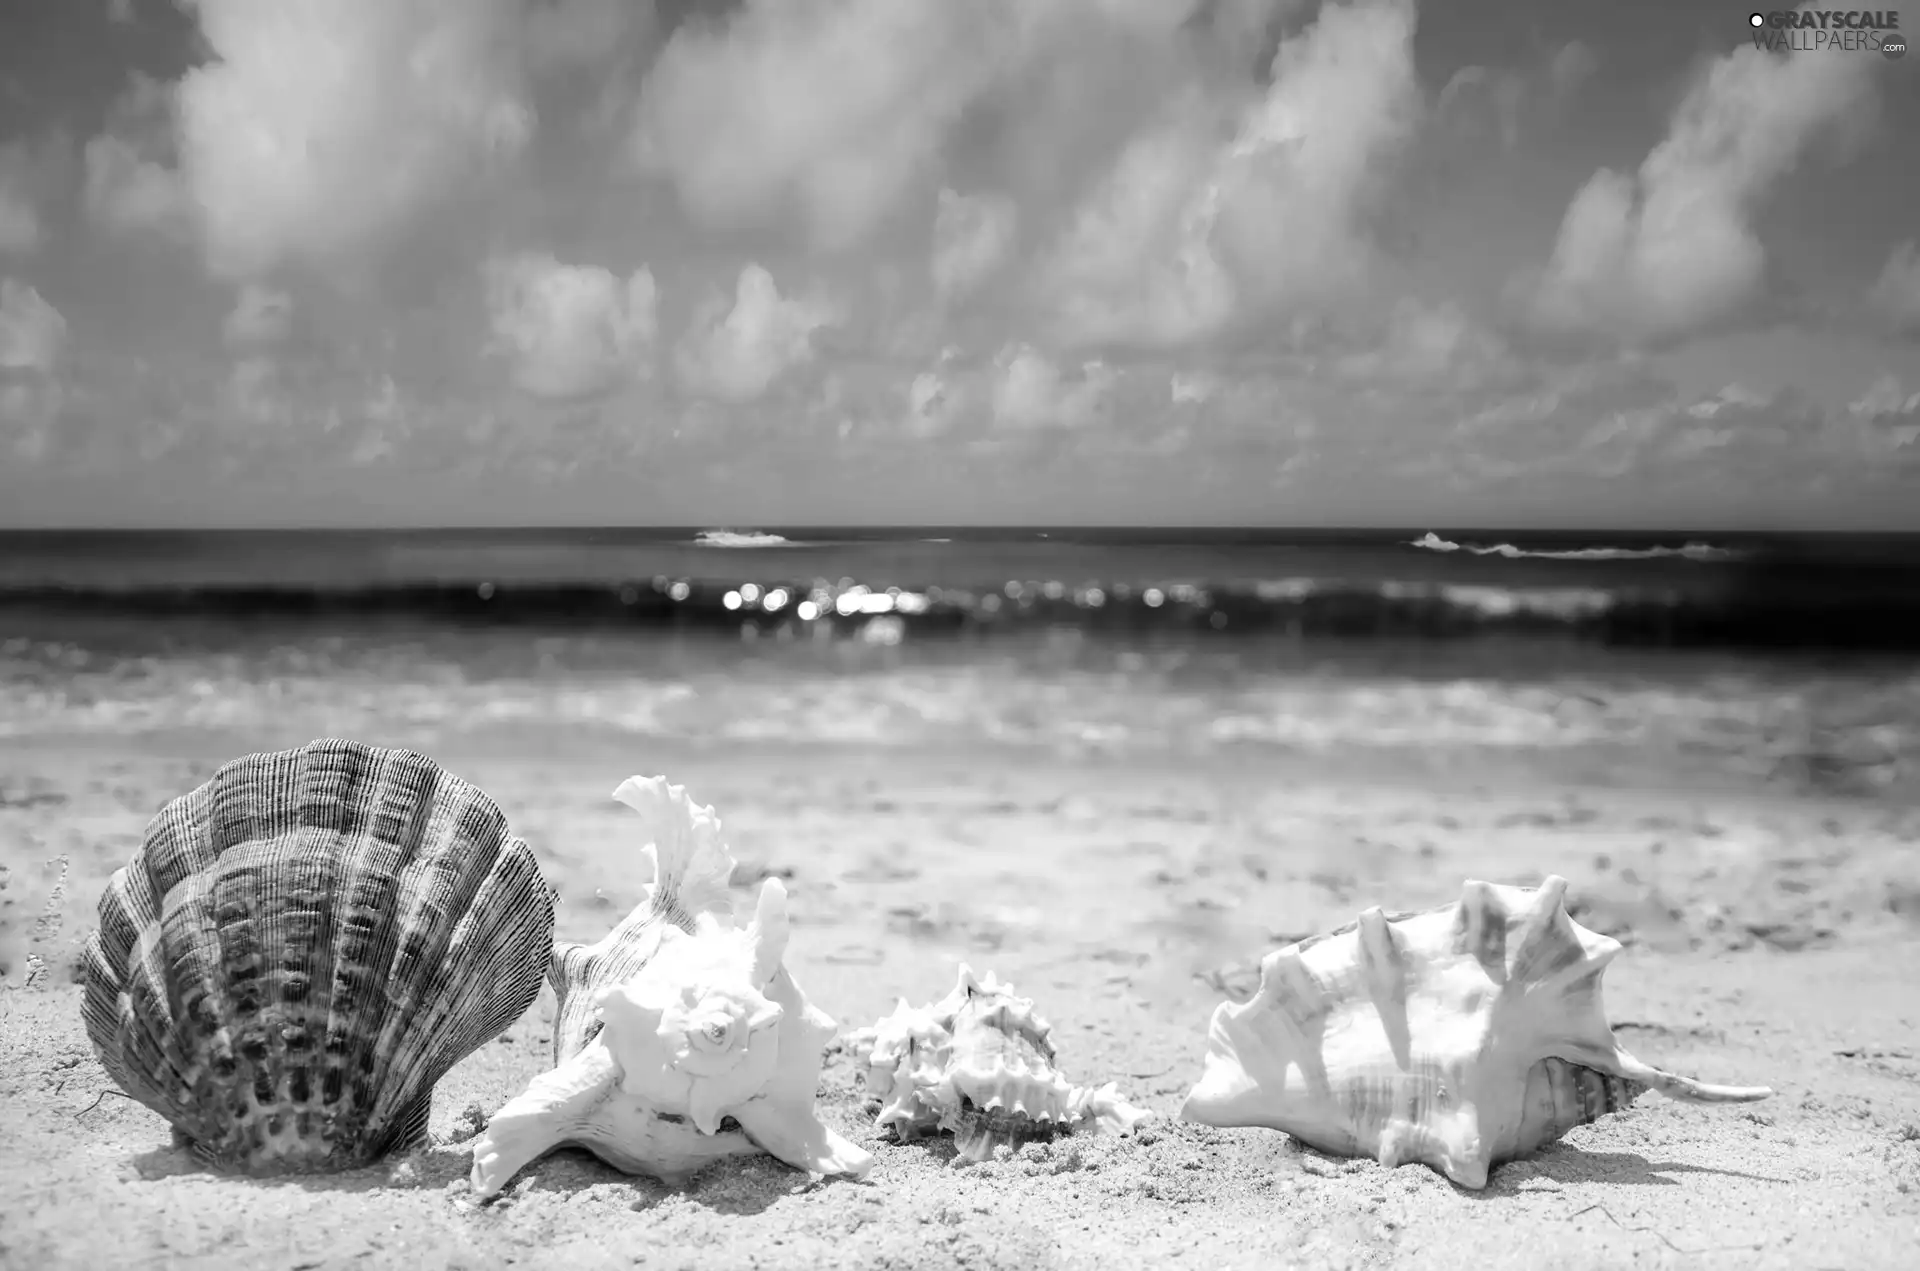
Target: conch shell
x,y
680,1039
980,1064
1461,1037
304,945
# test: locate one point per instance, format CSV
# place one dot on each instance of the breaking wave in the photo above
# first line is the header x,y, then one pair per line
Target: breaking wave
x,y
1690,551
739,538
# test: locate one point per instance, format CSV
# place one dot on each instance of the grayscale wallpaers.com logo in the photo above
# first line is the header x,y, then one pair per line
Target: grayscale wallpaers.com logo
x,y
1820,30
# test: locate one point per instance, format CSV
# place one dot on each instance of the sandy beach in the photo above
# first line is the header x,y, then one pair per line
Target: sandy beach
x,y
1772,938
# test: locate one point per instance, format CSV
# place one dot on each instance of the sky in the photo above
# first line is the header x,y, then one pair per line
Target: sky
x,y
812,262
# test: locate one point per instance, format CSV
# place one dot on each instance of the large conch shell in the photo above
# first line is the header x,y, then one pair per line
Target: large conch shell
x,y
1460,1037
980,1064
304,945
679,1039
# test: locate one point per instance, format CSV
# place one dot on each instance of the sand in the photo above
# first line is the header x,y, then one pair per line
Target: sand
x,y
1772,938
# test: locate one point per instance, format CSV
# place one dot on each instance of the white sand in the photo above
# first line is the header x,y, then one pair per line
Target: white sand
x,y
1774,941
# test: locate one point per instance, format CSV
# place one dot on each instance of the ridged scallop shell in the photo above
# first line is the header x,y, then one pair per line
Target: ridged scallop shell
x,y
1461,1037
679,1038
304,945
979,1063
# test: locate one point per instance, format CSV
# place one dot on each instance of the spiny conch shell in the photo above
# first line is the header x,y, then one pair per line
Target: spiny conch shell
x,y
1461,1037
978,1063
679,1039
304,945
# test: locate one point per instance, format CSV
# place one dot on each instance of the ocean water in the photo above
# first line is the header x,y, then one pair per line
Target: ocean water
x,y
1679,656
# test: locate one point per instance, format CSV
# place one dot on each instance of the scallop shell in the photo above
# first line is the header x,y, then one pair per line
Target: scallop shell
x,y
679,1038
304,945
980,1064
1461,1037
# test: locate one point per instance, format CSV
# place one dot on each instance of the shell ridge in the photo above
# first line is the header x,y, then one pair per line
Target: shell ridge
x,y
296,923
126,928
467,855
487,976
364,945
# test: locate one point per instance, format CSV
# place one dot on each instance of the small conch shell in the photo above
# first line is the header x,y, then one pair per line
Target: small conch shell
x,y
1460,1037
304,945
980,1064
680,1039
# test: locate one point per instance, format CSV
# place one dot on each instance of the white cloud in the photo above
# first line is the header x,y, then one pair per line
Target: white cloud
x,y
1885,397
32,336
255,393
1673,248
1573,64
932,404
19,216
735,354
1191,388
832,112
131,185
120,12
1433,344
1030,392
973,234
1186,234
260,315
1896,293
571,330
32,332
317,133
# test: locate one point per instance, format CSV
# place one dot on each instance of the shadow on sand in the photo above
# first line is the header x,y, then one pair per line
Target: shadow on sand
x,y
1566,1164
738,1186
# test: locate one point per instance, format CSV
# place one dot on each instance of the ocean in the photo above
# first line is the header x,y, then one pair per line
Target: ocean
x,y
1671,656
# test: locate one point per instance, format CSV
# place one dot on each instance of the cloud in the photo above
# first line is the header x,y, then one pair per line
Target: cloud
x,y
120,12
1515,96
1030,392
32,332
735,354
1187,235
316,134
1896,293
33,335
1658,254
973,234
1433,344
1573,64
131,185
29,174
829,113
260,315
571,330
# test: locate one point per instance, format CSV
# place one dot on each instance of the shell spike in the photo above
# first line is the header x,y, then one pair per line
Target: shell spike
x,y
768,931
691,863
552,1109
1684,1089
